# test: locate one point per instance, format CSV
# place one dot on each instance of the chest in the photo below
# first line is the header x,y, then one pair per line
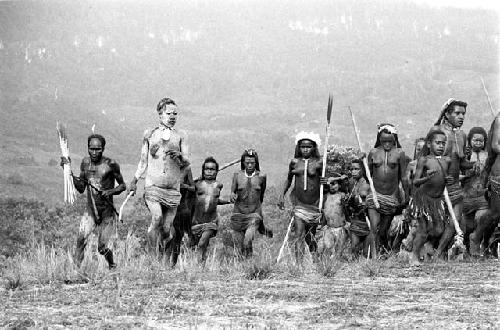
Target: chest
x,y
309,166
204,188
386,158
253,183
165,140
97,175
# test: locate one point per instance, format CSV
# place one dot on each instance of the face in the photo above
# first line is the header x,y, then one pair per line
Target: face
x,y
456,116
477,142
249,163
306,148
436,146
387,141
210,171
356,170
95,150
334,187
168,116
420,145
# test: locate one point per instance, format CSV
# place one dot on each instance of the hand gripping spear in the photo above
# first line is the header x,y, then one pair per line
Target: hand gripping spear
x,y
325,150
365,162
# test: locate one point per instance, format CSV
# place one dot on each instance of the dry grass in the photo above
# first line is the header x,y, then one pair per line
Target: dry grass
x,y
44,288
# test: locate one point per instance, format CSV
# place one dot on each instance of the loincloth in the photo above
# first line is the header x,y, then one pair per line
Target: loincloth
x,y
199,229
473,204
309,215
427,207
456,193
241,222
358,226
164,196
388,203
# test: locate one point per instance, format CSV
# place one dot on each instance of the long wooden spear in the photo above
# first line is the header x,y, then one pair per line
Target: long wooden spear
x,y
325,149
488,97
365,162
459,236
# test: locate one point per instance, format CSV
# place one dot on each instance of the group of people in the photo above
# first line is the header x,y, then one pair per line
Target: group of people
x,y
381,191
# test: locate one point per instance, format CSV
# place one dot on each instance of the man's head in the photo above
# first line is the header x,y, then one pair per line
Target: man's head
x,y
477,138
250,161
209,169
167,111
334,186
453,111
96,144
387,137
436,142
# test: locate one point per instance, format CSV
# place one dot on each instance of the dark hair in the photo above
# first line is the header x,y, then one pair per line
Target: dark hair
x,y
97,136
163,103
314,152
477,130
250,153
420,139
386,131
448,107
362,167
206,161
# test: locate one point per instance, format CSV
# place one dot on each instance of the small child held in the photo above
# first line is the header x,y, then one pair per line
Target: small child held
x,y
332,236
205,220
428,205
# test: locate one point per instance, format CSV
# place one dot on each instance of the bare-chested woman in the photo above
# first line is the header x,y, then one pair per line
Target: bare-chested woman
x,y
387,163
427,205
492,177
305,171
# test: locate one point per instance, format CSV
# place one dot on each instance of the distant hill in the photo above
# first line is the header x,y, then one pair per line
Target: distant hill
x,y
244,74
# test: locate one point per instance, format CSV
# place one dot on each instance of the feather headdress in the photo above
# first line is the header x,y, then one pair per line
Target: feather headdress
x,y
314,137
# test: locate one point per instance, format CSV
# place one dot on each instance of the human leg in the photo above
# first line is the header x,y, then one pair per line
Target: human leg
x,y
105,232
153,234
248,239
374,230
87,226
204,241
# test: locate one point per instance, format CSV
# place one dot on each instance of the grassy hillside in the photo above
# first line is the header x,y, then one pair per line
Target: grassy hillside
x,y
244,74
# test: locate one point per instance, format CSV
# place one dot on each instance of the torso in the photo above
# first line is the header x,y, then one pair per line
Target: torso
x,y
333,210
310,195
386,170
207,198
102,177
473,185
455,144
248,193
435,185
163,171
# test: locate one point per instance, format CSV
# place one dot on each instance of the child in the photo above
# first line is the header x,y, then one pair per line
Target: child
x,y
332,236
428,205
205,220
359,189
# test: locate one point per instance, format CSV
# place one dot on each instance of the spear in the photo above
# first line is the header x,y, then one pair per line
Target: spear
x,y
325,150
459,236
365,162
231,163
487,96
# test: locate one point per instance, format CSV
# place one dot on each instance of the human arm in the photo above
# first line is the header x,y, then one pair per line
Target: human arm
x,y
495,136
188,182
181,155
402,173
80,182
234,188
419,179
263,187
287,184
143,161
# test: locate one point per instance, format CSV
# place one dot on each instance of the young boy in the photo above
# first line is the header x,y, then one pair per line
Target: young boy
x,y
332,236
428,205
359,189
205,220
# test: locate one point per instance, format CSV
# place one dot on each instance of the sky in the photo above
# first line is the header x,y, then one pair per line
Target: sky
x,y
485,4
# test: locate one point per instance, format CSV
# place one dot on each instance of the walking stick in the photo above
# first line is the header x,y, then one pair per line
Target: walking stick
x,y
325,150
459,236
365,162
280,254
487,96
